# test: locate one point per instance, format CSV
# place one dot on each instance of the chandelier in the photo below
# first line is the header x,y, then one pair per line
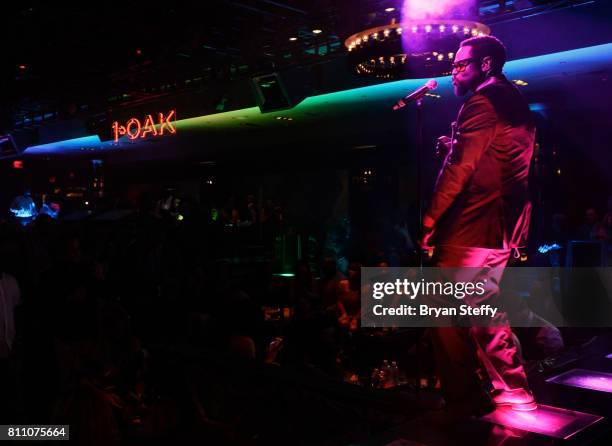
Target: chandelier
x,y
411,49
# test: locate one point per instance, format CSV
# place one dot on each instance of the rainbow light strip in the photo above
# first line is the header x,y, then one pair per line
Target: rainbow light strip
x,y
338,104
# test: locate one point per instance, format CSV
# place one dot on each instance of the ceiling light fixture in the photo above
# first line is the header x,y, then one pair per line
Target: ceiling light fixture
x,y
387,53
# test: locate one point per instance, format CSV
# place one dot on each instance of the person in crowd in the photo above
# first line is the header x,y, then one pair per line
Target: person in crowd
x,y
303,289
329,283
10,298
599,232
349,301
586,230
251,209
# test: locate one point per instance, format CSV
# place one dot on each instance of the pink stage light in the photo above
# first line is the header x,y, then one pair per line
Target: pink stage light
x,y
585,379
545,420
434,9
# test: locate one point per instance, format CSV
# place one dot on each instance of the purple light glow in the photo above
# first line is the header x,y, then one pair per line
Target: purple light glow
x,y
585,379
609,356
418,32
435,9
545,420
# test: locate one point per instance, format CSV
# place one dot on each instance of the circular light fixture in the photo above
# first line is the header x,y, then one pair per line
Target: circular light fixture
x,y
293,39
317,31
389,9
427,51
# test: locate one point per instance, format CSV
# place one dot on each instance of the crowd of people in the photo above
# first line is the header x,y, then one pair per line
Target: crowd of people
x,y
87,304
593,226
596,228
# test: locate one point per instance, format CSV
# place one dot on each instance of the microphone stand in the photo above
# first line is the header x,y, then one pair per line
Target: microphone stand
x,y
419,165
419,162
419,176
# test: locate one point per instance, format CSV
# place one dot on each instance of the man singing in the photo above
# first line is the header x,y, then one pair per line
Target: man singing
x,y
478,213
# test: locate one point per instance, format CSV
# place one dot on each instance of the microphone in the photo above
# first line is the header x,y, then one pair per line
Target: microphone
x,y
416,94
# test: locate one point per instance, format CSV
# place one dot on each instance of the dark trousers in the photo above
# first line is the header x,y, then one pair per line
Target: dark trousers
x,y
460,350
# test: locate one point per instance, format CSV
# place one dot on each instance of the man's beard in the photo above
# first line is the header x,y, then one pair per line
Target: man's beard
x,y
461,89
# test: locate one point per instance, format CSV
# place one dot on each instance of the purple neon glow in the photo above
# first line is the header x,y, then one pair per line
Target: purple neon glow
x,y
436,9
545,420
609,356
585,379
414,42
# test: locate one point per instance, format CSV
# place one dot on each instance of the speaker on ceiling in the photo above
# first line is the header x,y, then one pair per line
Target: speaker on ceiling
x,y
281,91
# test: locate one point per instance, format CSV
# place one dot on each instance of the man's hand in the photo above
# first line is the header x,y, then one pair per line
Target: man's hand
x,y
443,146
425,237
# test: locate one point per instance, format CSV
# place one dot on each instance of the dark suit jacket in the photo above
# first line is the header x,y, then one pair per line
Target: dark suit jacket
x,y
481,197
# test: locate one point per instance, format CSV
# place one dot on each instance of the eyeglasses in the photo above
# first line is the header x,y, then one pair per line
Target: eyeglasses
x,y
460,66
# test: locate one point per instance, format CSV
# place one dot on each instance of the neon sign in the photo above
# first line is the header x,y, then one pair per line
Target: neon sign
x,y
135,129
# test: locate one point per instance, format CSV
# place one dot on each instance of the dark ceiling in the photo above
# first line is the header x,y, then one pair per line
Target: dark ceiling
x,y
76,53
67,58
